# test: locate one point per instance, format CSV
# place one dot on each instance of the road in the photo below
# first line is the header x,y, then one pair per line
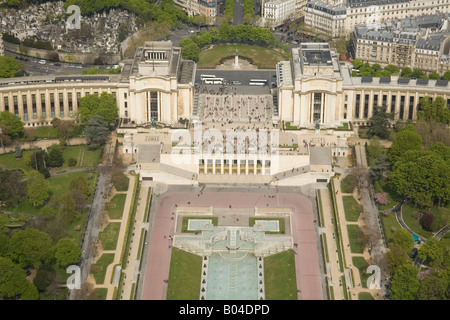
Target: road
x,y
238,13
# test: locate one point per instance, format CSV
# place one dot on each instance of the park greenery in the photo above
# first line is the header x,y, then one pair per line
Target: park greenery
x,y
365,69
226,34
104,106
9,67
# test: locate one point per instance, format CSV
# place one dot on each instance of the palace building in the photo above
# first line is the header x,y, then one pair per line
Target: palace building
x,y
159,85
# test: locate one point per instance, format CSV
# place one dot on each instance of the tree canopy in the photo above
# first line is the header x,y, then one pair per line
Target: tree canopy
x,y
380,123
11,121
434,111
67,252
12,279
37,188
406,139
104,106
30,248
9,67
96,132
405,283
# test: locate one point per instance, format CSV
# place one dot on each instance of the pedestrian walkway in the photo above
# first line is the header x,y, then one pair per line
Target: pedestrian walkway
x,y
120,243
354,288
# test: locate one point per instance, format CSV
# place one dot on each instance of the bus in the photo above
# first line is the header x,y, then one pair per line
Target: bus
x,y
214,81
258,82
206,76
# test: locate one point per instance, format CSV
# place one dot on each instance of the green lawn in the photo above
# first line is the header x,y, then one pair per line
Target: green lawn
x,y
109,236
392,196
365,296
410,214
352,208
356,237
116,205
279,276
99,269
59,184
264,58
98,294
10,162
389,223
288,126
184,276
361,264
348,184
85,157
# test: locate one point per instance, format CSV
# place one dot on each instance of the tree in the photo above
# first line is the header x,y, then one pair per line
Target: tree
x,y
37,188
423,177
12,279
404,240
191,51
39,161
44,277
104,106
417,73
12,188
68,208
97,132
446,75
4,243
405,284
18,151
30,293
357,63
436,110
434,75
406,139
392,69
426,220
396,257
67,252
55,156
430,251
5,138
30,247
381,168
8,67
380,123
406,72
433,288
8,119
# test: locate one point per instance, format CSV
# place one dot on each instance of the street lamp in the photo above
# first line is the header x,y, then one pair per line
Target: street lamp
x,y
338,150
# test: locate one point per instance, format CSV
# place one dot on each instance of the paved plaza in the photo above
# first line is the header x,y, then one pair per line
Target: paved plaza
x,y
163,238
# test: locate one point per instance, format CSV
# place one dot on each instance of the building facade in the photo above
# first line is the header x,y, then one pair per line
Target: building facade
x,y
422,42
158,85
338,20
207,8
277,12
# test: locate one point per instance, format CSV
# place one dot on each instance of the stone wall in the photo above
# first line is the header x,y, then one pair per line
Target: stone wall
x,y
86,58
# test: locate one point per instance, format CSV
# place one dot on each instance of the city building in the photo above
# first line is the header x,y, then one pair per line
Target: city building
x,y
340,20
419,42
278,12
158,85
207,8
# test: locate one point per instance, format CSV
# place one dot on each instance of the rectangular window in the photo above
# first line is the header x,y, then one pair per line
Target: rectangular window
x,y
393,102
69,98
384,103
366,106
44,114
154,106
33,106
357,105
61,105
317,105
6,101
402,106
52,105
16,106
25,107
375,100
411,108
